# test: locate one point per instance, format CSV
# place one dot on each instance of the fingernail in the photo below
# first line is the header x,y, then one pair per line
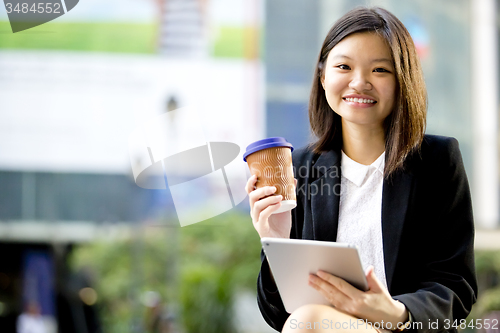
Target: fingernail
x,y
272,189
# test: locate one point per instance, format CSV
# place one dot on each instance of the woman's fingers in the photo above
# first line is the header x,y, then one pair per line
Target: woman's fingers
x,y
249,187
260,208
261,199
260,194
340,284
336,297
263,203
264,214
374,283
257,194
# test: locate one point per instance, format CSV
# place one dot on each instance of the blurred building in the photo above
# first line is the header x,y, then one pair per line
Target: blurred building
x,y
184,28
71,93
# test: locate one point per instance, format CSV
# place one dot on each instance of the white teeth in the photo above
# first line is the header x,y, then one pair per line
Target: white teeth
x,y
360,100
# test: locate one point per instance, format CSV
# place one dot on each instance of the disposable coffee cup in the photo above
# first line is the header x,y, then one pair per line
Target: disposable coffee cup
x,y
271,160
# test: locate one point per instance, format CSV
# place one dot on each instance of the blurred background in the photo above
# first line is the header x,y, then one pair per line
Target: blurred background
x,y
84,249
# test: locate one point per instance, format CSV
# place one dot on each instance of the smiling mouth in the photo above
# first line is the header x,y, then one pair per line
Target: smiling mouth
x,y
360,100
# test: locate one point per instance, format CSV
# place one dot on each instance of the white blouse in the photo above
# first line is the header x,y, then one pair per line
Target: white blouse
x,y
360,211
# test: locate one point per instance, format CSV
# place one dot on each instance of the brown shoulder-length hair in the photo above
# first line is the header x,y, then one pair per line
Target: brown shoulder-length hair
x,y
405,126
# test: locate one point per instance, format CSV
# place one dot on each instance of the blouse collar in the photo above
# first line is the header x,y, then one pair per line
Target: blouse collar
x,y
358,173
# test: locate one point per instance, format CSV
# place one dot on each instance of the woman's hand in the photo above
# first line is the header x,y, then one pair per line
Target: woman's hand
x,y
375,305
262,206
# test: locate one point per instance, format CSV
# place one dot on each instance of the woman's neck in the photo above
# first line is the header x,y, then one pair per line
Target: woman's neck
x,y
361,143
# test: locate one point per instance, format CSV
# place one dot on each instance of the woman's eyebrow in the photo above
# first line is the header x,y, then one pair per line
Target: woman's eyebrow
x,y
382,60
343,56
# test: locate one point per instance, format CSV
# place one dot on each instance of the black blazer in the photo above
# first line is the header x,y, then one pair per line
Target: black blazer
x,y
427,229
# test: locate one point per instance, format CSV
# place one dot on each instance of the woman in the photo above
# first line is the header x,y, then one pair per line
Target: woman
x,y
404,198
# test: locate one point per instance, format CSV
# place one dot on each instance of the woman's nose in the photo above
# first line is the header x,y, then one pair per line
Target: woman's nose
x,y
360,82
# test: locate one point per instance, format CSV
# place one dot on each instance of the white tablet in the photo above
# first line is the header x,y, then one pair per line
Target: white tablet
x,y
292,260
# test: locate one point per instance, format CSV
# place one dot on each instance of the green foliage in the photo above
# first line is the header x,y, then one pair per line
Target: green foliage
x,y
488,272
487,261
82,36
489,301
206,300
201,266
218,258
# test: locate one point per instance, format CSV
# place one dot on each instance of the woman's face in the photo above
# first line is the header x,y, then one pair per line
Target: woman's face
x,y
359,80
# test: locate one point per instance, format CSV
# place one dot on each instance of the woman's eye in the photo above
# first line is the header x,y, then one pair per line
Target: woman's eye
x,y
381,70
343,67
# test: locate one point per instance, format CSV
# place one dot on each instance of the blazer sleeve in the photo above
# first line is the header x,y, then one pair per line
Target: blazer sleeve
x,y
447,288
268,298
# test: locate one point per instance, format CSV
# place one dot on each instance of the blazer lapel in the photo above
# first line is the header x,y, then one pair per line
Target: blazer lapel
x,y
324,194
395,196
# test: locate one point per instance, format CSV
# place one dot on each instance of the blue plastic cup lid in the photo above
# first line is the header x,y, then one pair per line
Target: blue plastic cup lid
x,y
266,143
